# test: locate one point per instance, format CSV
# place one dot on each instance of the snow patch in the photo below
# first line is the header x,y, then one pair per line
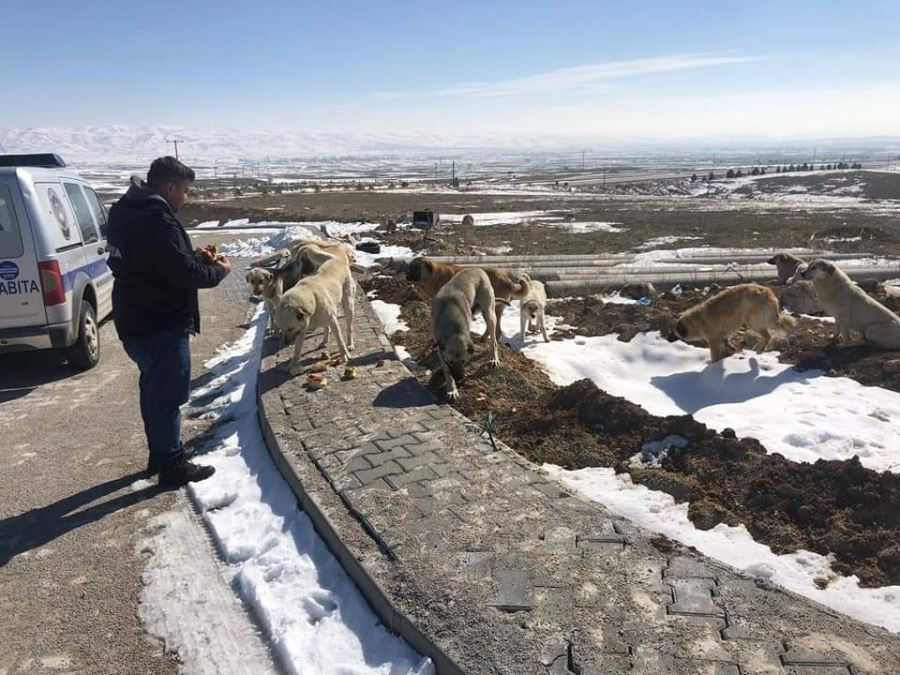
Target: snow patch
x,y
310,610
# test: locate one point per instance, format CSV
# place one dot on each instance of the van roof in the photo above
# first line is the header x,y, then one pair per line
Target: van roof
x,y
37,173
43,159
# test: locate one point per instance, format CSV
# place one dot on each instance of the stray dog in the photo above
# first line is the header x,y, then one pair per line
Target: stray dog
x,y
431,277
313,303
451,317
531,308
269,283
786,264
717,318
851,307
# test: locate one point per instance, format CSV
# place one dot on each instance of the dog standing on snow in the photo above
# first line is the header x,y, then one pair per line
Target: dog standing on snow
x,y
719,317
851,307
531,308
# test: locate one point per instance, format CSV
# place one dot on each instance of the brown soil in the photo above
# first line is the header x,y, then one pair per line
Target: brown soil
x,y
827,507
642,217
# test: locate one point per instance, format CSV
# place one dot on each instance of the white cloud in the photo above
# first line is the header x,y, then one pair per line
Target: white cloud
x,y
592,77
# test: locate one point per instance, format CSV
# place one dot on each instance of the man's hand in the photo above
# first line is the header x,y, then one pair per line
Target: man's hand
x,y
222,262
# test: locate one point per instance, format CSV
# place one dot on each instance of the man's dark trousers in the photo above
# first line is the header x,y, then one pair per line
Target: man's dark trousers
x,y
164,360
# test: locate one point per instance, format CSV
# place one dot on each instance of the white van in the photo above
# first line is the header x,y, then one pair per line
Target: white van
x,y
55,286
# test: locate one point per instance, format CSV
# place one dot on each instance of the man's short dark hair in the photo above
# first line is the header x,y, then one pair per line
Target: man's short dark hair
x,y
168,170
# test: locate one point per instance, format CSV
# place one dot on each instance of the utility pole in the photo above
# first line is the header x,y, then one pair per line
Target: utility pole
x,y
453,172
435,170
175,141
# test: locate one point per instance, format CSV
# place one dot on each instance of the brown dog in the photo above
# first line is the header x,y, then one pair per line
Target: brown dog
x,y
431,276
716,319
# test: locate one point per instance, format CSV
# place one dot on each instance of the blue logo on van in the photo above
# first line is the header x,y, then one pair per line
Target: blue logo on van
x,y
8,270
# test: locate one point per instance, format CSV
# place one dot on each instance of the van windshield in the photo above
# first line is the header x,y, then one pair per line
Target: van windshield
x,y
10,236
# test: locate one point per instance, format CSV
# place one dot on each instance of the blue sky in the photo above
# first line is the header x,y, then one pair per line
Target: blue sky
x,y
624,69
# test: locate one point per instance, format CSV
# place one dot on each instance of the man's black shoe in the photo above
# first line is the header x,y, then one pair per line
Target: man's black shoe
x,y
153,465
184,472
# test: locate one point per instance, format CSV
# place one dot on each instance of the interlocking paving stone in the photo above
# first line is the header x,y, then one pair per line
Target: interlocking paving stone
x,y
505,570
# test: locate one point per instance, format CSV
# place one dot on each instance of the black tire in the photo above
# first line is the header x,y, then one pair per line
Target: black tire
x,y
85,353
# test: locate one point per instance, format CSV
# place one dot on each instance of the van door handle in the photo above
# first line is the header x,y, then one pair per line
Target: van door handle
x,y
101,250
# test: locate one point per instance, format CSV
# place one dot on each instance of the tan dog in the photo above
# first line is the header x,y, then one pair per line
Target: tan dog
x,y
313,303
270,278
451,318
716,319
269,286
786,264
431,277
531,308
851,307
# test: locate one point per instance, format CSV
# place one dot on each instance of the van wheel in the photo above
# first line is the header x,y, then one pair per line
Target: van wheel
x,y
85,353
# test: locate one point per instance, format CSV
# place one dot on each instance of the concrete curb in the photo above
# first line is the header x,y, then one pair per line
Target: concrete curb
x,y
371,590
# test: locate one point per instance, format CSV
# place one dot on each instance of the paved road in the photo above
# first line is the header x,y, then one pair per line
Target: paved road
x,y
71,523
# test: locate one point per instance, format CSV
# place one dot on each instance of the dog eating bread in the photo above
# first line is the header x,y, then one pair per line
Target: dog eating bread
x,y
314,302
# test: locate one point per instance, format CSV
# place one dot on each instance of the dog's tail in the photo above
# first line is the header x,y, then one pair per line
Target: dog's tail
x,y
786,321
520,286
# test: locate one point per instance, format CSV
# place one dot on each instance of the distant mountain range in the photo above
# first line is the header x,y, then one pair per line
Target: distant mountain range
x,y
129,145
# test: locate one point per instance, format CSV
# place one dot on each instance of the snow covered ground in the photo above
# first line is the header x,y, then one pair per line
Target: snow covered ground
x,y
504,217
593,226
510,327
311,612
804,416
285,233
389,314
797,572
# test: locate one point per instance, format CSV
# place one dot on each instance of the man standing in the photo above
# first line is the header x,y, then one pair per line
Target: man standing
x,y
155,308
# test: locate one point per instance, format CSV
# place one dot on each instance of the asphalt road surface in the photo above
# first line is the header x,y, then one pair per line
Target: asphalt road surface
x,y
71,520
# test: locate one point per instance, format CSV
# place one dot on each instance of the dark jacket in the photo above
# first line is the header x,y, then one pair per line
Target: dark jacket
x,y
157,273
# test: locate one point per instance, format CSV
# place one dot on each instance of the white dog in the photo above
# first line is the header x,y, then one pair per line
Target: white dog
x,y
313,303
851,307
531,308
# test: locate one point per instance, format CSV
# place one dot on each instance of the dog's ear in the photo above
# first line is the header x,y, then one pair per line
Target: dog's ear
x,y
470,348
427,264
830,268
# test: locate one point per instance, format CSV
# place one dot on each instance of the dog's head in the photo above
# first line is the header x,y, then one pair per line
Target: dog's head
x,y
291,321
530,308
684,329
259,281
456,351
817,269
419,270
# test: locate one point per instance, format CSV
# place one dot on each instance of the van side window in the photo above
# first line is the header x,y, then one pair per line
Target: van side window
x,y
10,236
97,209
82,213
